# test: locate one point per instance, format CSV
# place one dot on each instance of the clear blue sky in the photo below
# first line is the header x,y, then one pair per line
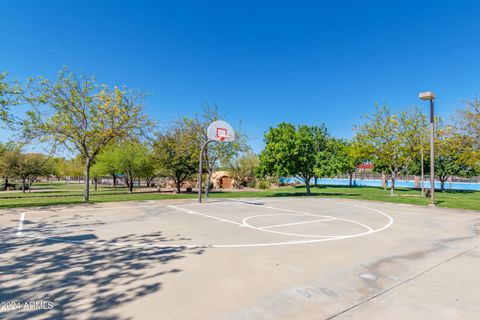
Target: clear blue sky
x,y
262,62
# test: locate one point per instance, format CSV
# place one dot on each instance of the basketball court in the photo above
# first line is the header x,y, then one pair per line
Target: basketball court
x,y
269,258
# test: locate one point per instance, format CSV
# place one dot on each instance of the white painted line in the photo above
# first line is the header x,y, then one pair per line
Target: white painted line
x,y
316,239
390,219
247,225
296,223
206,215
244,221
20,224
370,230
295,213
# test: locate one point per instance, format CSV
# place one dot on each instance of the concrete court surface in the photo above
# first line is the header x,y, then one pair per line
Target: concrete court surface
x,y
275,258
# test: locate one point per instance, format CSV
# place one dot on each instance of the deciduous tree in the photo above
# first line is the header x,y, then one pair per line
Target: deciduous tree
x,y
216,153
26,167
339,157
391,141
452,154
243,169
130,160
176,154
9,160
290,151
468,120
467,131
10,95
107,163
76,112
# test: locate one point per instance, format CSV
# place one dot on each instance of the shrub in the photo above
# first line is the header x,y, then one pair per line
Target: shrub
x,y
251,183
263,184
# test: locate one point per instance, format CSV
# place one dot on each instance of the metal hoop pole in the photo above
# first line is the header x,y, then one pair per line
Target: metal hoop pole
x,y
200,169
432,153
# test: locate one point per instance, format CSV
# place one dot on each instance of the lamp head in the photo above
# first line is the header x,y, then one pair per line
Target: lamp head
x,y
427,95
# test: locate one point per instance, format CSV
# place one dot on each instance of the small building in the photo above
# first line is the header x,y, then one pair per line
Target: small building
x,y
222,180
366,167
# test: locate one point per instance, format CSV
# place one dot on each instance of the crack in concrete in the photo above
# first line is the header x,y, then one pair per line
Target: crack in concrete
x,y
374,268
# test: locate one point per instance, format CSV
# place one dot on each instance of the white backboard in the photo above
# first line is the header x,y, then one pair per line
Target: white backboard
x,y
220,131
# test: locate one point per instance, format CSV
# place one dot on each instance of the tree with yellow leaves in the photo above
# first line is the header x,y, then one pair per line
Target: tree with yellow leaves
x,y
85,117
390,140
467,132
10,95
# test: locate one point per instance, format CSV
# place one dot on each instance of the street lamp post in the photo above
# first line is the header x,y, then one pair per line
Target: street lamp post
x,y
422,173
431,97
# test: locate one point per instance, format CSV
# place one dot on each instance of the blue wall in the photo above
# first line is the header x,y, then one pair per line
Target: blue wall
x,y
398,183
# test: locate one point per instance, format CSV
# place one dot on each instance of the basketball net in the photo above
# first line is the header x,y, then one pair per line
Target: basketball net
x,y
222,137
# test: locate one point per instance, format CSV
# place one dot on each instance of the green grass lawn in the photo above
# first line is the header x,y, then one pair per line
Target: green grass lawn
x,y
72,193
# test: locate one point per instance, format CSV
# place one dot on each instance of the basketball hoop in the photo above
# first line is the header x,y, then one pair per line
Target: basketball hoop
x,y
220,131
222,138
217,131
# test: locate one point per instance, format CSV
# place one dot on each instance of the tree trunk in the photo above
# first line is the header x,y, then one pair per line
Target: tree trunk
x,y
96,183
114,177
86,192
23,185
416,183
6,183
177,184
307,185
316,181
392,187
151,181
442,184
130,184
351,178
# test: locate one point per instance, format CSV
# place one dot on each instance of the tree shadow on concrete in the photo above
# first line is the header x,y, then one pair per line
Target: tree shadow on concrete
x,y
83,276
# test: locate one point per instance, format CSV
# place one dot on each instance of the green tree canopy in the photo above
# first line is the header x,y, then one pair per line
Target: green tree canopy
x,y
9,161
74,167
56,166
243,169
107,162
25,166
129,160
340,156
291,151
176,154
452,154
